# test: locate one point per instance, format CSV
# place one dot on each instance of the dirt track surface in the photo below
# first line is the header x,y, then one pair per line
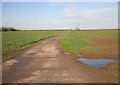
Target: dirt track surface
x,y
46,63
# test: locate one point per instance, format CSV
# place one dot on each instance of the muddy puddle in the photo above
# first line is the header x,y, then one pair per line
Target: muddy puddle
x,y
66,53
97,63
22,60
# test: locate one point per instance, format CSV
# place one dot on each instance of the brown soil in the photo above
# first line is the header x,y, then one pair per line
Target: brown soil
x,y
46,63
103,49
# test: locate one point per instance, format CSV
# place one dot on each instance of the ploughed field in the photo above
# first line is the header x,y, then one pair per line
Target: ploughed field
x,y
13,42
98,44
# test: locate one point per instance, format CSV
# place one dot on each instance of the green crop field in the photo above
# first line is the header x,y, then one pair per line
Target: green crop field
x,y
92,44
15,40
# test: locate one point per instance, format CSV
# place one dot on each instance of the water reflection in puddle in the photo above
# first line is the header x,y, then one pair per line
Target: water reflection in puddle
x,y
98,63
66,53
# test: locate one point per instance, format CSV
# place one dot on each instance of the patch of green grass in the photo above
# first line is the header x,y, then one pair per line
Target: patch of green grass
x,y
102,43
15,40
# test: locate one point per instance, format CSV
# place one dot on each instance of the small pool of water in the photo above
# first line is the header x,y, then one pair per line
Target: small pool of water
x,y
98,63
66,53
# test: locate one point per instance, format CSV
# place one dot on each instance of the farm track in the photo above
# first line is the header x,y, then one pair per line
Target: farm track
x,y
46,63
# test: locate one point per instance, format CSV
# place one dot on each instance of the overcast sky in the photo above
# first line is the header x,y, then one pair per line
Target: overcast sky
x,y
40,15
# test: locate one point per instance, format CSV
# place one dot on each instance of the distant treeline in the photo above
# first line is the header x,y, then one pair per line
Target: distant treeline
x,y
8,29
